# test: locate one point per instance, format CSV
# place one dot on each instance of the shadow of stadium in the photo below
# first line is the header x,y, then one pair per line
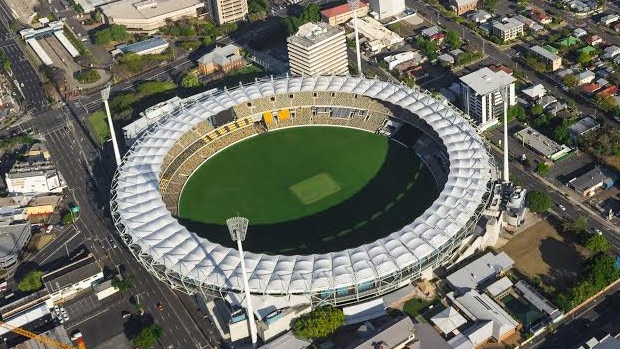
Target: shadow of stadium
x,y
402,189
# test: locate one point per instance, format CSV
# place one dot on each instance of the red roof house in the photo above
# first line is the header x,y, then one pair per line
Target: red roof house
x,y
591,88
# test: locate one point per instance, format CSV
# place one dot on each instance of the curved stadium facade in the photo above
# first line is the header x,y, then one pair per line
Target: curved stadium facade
x,y
147,185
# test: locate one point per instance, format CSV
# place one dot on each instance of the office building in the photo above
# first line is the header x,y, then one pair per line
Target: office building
x,y
13,238
481,95
35,177
221,59
386,8
226,11
318,49
147,16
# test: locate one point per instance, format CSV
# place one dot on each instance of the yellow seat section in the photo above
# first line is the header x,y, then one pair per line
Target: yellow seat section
x,y
284,114
267,117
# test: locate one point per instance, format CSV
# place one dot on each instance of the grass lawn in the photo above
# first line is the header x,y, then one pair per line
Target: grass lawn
x,y
308,189
99,124
414,306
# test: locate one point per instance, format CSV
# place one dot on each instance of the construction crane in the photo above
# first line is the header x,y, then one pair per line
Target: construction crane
x,y
41,338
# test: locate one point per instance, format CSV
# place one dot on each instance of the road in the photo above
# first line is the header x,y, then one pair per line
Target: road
x,y
24,74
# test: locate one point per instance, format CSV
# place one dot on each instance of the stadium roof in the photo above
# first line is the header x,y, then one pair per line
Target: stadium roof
x,y
147,225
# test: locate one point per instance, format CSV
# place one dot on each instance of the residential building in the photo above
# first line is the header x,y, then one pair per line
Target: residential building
x,y
386,8
579,32
226,11
479,271
13,238
34,177
318,49
538,301
529,23
397,334
153,45
585,77
461,7
147,16
400,58
286,341
499,288
597,178
593,39
342,13
611,51
542,17
221,59
378,36
551,60
535,92
508,29
481,95
480,16
448,320
66,282
609,19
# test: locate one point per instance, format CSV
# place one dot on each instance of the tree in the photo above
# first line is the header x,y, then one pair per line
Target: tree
x,y
570,80
571,103
579,225
319,323
147,337
607,103
538,201
537,109
97,17
453,39
103,37
31,282
67,218
190,80
516,112
122,284
542,168
584,58
597,243
560,132
489,5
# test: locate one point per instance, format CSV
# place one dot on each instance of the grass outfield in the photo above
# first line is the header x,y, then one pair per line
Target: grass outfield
x,y
308,190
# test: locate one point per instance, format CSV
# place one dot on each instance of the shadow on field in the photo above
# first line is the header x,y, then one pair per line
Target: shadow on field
x,y
402,190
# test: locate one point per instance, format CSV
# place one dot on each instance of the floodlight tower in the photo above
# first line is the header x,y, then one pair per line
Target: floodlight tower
x,y
105,95
354,6
505,172
238,227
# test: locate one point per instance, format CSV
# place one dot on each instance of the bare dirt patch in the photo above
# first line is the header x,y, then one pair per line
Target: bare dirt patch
x,y
542,252
38,241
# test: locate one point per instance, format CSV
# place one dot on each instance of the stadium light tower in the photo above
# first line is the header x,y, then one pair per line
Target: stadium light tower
x,y
238,227
505,172
354,6
105,95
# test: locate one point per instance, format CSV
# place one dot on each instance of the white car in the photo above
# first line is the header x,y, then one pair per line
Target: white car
x,y
562,207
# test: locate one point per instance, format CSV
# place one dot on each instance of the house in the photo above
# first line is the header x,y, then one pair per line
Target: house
x,y
542,17
617,27
546,101
508,29
579,32
568,42
597,178
461,7
529,23
501,67
535,92
483,269
590,50
593,40
591,88
221,59
438,38
609,19
448,320
607,91
430,31
611,51
585,77
551,49
446,58
583,127
395,334
480,16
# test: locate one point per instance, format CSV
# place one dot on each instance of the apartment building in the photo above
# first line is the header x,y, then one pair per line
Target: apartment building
x,y
481,95
318,49
508,29
553,61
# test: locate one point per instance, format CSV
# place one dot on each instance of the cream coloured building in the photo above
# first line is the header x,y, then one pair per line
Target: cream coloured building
x,y
225,11
318,49
149,15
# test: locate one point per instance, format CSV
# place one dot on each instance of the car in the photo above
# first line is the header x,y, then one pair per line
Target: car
x,y
125,314
65,317
160,306
49,229
77,334
562,207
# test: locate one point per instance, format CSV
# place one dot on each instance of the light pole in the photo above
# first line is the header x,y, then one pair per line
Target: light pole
x,y
505,173
238,227
105,95
354,6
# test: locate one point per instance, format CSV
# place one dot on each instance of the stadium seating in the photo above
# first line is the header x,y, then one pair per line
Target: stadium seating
x,y
283,101
303,99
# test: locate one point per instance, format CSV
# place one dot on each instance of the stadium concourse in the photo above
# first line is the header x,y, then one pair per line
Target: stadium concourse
x,y
147,185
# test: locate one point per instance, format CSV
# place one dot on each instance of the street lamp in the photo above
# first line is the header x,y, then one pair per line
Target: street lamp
x,y
238,227
105,95
506,175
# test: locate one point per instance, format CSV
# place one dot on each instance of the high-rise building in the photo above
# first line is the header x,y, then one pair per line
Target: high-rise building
x,y
225,11
481,95
387,8
318,49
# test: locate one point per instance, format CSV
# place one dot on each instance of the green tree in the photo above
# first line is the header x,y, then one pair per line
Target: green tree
x,y
123,284
579,225
560,132
103,37
583,58
538,201
606,103
489,5
571,103
31,281
190,80
97,17
319,323
542,168
537,109
453,39
570,80
67,218
516,112
147,337
597,243
119,32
